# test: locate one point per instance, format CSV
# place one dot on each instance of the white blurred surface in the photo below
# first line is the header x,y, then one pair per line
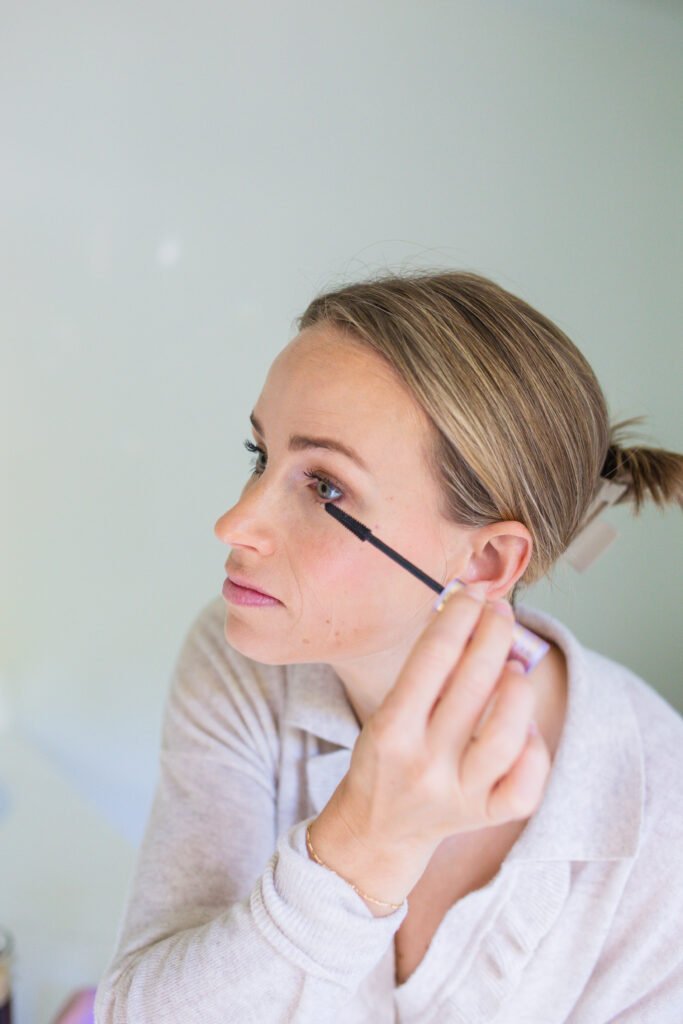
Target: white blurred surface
x,y
63,879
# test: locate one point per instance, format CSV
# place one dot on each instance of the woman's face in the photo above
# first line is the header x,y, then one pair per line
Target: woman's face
x,y
341,598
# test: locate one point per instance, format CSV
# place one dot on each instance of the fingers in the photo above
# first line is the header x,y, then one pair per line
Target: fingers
x,y
472,681
518,794
503,736
431,660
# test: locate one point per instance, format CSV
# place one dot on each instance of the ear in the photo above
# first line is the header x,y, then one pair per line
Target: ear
x,y
499,554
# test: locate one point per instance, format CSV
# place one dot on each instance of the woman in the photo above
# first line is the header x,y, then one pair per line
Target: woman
x,y
356,819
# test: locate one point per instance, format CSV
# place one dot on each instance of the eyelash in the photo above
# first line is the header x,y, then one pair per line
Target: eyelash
x,y
311,474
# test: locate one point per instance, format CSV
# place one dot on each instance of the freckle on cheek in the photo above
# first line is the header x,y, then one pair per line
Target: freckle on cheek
x,y
305,641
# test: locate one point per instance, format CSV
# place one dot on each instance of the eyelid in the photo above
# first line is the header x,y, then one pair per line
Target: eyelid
x,y
347,491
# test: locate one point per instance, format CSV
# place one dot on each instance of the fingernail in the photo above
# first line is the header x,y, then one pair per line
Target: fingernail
x,y
515,665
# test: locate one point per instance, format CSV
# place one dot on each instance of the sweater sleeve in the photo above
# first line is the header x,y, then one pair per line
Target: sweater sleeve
x,y
225,921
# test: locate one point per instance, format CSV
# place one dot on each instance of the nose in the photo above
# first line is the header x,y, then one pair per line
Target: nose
x,y
246,524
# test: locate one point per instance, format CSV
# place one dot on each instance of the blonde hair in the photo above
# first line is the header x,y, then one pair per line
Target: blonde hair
x,y
520,424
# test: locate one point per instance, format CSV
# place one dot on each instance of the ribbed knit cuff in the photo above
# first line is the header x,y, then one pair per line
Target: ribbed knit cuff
x,y
315,918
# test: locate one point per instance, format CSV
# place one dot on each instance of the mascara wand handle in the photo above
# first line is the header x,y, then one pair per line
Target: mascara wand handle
x,y
527,647
376,542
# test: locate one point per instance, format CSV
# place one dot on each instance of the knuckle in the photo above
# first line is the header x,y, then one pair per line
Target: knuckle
x,y
470,686
528,799
495,813
488,656
520,804
517,693
429,781
501,743
384,720
380,728
388,736
525,805
488,662
478,675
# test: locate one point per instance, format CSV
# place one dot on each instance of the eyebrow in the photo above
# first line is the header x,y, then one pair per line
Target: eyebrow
x,y
300,442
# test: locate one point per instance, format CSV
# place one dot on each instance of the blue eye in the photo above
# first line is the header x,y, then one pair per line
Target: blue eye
x,y
322,479
311,474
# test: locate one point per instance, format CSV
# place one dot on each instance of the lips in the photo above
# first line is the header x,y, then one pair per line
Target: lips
x,y
241,581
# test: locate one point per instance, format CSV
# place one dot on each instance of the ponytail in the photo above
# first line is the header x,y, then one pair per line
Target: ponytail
x,y
647,472
628,474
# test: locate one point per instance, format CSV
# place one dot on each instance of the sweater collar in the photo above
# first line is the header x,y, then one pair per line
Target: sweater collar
x,y
592,807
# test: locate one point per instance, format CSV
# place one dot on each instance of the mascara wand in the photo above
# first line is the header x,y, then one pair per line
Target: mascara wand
x,y
365,533
527,647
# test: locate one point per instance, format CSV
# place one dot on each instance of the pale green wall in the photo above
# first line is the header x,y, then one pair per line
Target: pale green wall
x,y
178,180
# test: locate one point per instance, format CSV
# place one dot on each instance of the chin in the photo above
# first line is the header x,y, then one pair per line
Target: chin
x,y
256,644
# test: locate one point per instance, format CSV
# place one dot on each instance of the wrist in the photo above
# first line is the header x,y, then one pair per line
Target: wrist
x,y
379,908
383,874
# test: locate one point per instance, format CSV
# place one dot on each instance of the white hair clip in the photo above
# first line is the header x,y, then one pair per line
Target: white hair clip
x,y
594,537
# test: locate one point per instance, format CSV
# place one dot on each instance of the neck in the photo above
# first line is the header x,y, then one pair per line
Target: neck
x,y
549,680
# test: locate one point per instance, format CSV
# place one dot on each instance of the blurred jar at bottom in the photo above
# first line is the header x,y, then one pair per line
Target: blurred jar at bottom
x,y
6,950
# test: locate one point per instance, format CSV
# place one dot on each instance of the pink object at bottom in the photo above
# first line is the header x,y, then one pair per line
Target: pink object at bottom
x,y
78,1009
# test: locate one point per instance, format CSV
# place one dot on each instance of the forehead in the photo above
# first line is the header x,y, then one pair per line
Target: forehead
x,y
325,381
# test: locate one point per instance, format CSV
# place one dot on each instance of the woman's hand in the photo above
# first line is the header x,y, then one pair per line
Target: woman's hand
x,y
418,772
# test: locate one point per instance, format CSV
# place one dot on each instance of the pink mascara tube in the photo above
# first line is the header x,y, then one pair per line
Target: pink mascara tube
x,y
527,647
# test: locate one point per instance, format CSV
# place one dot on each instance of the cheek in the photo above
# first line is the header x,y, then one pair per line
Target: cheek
x,y
327,569
356,586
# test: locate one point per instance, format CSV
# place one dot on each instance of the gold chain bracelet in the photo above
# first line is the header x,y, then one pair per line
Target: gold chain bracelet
x,y
316,858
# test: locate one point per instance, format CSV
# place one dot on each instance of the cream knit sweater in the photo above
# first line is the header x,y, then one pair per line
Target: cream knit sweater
x,y
228,921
